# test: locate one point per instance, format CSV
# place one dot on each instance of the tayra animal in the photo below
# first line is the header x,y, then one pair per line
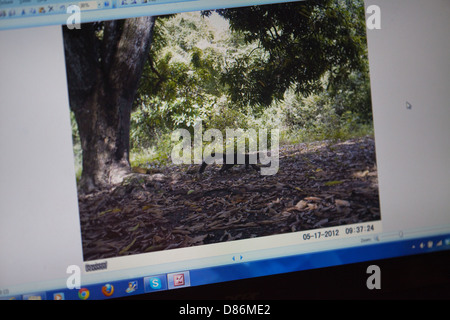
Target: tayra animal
x,y
249,161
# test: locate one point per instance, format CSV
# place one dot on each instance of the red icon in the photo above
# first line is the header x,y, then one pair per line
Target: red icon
x,y
178,279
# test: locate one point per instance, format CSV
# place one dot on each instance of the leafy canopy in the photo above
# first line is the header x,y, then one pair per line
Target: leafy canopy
x,y
301,40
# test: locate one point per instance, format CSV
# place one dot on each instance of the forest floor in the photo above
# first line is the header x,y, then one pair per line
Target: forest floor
x,y
320,184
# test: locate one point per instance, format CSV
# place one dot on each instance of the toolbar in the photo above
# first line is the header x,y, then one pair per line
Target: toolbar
x,y
33,13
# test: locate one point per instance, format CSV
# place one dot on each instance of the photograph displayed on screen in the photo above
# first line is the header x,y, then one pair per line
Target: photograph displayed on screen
x,y
212,126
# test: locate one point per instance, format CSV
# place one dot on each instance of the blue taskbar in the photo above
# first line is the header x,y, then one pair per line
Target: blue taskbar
x,y
244,270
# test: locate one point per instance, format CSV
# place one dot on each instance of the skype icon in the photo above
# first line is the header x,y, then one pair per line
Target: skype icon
x,y
154,283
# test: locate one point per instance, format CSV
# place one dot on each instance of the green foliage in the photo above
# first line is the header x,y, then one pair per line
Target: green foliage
x,y
319,117
354,96
299,67
301,42
157,154
77,151
180,82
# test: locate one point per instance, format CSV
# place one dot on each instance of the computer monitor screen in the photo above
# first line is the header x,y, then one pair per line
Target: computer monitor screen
x,y
158,145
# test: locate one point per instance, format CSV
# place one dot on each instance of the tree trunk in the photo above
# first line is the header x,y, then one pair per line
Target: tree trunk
x,y
103,75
